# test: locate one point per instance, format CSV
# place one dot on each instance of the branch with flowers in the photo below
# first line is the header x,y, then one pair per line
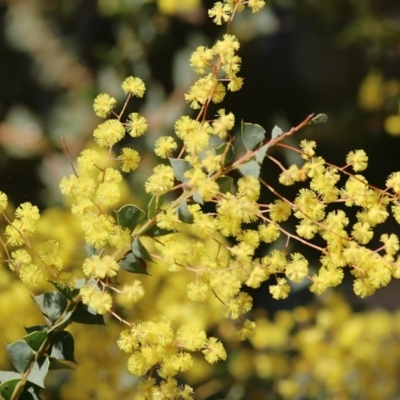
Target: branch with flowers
x,y
195,177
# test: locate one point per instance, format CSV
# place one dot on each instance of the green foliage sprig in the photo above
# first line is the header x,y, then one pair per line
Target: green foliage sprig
x,y
173,233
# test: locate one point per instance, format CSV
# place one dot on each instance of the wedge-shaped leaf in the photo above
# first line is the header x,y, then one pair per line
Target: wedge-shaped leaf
x,y
319,119
184,214
63,347
228,152
250,168
82,315
65,320
129,216
36,328
155,231
276,132
31,392
261,153
139,250
197,198
154,205
252,135
225,184
20,355
51,304
90,250
55,364
35,339
66,291
133,264
180,167
8,386
39,371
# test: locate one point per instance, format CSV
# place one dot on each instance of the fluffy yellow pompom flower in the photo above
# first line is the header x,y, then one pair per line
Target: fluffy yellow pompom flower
x,y
134,85
220,13
108,133
164,146
101,302
103,104
357,159
214,351
129,159
88,159
136,125
281,290
201,58
3,201
97,267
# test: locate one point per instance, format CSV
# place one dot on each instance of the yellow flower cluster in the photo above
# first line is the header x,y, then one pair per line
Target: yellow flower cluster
x,y
155,345
46,262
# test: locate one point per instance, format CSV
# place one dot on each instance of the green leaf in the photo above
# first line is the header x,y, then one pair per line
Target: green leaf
x,y
228,150
250,168
30,393
184,214
35,339
276,132
252,135
154,205
39,371
225,184
129,216
55,364
20,355
62,347
197,198
90,250
36,328
8,386
62,321
180,167
66,291
133,264
155,231
51,304
319,119
261,153
82,315
139,250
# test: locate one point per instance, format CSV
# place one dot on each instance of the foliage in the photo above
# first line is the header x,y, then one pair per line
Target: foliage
x,y
197,241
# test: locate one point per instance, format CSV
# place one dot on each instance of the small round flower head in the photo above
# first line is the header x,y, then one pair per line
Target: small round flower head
x,y
220,12
88,159
136,125
357,159
256,5
108,133
3,201
164,146
101,302
28,213
103,104
134,85
129,159
200,59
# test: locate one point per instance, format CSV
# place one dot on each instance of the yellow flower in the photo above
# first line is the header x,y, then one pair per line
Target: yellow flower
x,y
201,58
108,133
129,159
3,201
136,125
357,159
134,85
220,12
103,104
164,146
